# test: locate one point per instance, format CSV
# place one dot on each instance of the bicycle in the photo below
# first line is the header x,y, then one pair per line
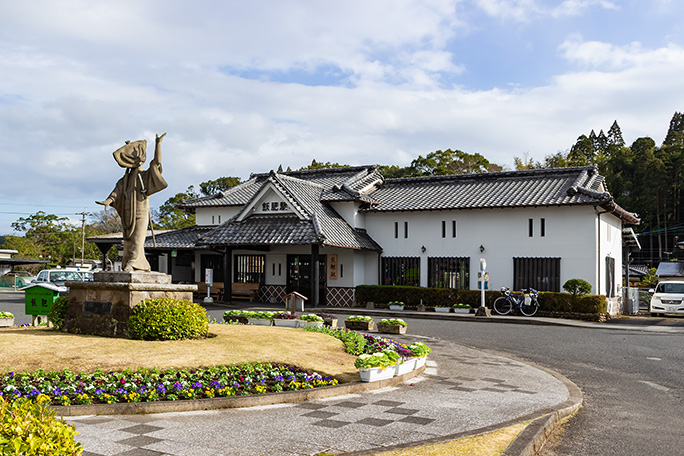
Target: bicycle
x,y
503,305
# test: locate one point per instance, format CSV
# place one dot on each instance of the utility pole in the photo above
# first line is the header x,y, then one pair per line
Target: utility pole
x,y
84,214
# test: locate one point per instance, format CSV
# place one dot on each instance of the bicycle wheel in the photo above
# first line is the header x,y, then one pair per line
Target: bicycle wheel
x,y
529,309
502,305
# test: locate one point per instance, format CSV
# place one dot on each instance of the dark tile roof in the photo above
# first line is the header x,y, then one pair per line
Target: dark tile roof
x,y
184,238
327,178
314,221
544,187
263,230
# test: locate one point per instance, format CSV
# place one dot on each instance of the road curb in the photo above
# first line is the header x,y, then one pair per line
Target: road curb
x,y
533,438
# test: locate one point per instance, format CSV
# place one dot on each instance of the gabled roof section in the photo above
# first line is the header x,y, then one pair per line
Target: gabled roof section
x,y
542,187
312,221
276,183
354,176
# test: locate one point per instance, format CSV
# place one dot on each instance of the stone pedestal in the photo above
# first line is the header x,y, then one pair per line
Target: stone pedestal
x,y
102,307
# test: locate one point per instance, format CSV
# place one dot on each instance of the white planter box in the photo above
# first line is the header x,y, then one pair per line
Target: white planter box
x,y
442,309
374,374
287,323
462,311
318,324
420,362
260,321
6,322
405,367
396,307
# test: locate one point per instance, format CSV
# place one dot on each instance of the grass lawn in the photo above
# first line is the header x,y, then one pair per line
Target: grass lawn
x,y
35,348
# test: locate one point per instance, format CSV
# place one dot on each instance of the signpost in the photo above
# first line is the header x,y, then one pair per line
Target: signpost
x,y
209,280
483,284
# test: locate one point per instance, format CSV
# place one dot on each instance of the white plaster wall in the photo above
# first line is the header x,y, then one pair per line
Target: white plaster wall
x,y
276,262
349,211
221,215
610,246
570,234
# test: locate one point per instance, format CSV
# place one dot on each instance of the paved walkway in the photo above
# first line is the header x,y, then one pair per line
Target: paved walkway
x,y
461,391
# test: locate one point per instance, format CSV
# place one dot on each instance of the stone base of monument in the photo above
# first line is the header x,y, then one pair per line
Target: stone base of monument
x,y
102,307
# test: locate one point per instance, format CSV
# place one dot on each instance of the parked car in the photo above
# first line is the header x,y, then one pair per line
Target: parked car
x,y
87,276
16,279
668,297
58,276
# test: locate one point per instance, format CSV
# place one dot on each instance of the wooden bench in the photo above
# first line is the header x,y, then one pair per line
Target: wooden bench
x,y
245,291
216,291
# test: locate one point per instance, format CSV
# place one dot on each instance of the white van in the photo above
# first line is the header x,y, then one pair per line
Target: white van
x,y
668,297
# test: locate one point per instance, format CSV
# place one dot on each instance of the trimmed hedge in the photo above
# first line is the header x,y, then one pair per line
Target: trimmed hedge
x,y
431,297
168,319
548,301
30,428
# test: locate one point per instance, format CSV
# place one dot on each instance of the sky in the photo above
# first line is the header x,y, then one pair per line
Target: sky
x,y
243,87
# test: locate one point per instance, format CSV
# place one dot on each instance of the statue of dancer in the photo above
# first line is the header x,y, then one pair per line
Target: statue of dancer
x,y
130,199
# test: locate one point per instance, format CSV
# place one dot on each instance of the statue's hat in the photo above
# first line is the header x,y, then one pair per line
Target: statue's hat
x,y
132,154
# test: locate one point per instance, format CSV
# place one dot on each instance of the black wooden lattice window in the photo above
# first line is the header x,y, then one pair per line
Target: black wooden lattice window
x,y
449,273
250,268
542,274
401,271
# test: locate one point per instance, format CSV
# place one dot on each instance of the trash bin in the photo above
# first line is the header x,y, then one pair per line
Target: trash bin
x,y
39,297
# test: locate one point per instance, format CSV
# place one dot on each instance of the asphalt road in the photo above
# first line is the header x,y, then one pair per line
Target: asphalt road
x,y
632,381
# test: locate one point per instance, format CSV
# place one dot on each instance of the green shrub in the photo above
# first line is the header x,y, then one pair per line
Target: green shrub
x,y
57,312
30,428
167,319
354,343
578,287
6,315
563,302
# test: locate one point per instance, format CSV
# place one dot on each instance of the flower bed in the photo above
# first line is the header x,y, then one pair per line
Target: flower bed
x,y
147,385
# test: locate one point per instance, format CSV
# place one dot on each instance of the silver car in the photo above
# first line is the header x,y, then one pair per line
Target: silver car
x,y
58,276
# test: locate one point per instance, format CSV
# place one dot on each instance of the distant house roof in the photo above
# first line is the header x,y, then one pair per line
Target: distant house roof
x,y
541,187
670,269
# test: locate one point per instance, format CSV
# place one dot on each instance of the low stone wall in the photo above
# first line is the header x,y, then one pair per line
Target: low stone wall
x,y
102,307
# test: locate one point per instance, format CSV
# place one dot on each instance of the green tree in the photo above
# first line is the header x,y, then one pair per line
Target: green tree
x,y
394,171
322,165
440,163
582,152
170,216
212,187
615,135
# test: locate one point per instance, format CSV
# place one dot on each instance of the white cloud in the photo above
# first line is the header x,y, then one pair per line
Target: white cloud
x,y
528,10
607,56
81,78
